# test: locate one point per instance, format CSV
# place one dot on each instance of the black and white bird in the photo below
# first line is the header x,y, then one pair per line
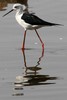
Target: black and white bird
x,y
29,21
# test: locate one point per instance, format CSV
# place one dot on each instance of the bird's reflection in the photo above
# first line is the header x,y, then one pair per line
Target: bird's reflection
x,y
31,75
34,78
34,68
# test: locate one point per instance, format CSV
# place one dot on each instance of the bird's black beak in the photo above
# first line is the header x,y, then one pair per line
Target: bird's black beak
x,y
8,12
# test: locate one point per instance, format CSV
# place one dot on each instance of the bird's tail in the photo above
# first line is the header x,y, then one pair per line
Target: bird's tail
x,y
56,24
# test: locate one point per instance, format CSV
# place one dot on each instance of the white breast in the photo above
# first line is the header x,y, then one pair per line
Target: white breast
x,y
22,22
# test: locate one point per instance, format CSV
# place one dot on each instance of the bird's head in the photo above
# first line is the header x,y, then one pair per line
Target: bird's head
x,y
17,7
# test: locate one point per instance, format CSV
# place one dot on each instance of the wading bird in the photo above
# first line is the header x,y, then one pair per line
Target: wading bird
x,y
29,21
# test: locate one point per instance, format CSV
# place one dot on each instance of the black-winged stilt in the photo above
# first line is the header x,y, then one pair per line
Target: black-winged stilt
x,y
29,21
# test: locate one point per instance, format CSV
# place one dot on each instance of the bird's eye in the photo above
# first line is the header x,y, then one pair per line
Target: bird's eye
x,y
16,6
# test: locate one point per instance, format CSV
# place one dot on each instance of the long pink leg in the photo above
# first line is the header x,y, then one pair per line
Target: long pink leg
x,y
23,45
40,39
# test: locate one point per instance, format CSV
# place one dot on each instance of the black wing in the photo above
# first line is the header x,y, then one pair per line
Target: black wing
x,y
34,20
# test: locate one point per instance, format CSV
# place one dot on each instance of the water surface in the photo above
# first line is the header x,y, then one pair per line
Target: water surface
x,y
42,75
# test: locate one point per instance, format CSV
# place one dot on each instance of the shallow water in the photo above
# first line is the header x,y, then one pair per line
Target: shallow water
x,y
34,74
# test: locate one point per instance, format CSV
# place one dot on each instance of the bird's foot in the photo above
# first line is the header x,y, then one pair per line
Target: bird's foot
x,y
22,48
